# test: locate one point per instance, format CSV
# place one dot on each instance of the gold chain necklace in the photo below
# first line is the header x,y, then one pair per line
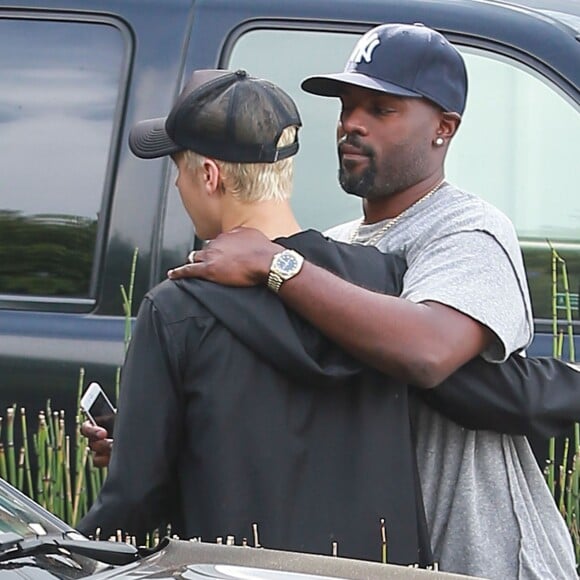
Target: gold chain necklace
x,y
378,235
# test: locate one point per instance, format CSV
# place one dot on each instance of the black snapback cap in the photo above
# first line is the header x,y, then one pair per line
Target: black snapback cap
x,y
226,115
407,60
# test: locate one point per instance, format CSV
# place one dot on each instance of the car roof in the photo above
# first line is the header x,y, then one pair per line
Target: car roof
x,y
565,11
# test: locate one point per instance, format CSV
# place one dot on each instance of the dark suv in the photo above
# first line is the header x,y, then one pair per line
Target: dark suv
x,y
75,204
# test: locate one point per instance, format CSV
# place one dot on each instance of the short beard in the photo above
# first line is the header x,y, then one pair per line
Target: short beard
x,y
371,184
361,185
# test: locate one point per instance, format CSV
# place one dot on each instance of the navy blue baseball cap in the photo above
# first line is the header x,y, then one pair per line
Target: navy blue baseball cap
x,y
407,60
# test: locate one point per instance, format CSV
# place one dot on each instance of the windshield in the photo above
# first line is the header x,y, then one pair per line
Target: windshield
x,y
20,515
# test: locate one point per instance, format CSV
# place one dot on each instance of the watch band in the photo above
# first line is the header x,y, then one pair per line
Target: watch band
x,y
274,281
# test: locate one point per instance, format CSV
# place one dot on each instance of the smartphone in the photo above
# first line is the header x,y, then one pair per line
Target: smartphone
x,y
98,408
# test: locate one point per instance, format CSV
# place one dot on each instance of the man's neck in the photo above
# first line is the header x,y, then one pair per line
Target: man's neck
x,y
392,205
273,218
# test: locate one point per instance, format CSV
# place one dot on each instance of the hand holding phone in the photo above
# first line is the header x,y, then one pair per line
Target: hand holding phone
x,y
98,408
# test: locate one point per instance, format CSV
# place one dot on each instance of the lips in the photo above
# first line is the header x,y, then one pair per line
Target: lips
x,y
346,149
350,152
350,155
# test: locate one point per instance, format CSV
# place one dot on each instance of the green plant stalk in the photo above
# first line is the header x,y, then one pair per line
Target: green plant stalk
x,y
64,464
562,483
41,454
570,513
10,442
21,469
27,466
68,480
59,465
3,468
383,541
554,302
572,503
573,519
569,325
48,477
80,386
55,468
560,344
128,298
549,471
79,418
550,468
117,383
575,475
82,450
38,483
79,487
49,424
571,481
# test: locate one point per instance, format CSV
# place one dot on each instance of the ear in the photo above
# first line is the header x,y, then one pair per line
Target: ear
x,y
211,176
447,127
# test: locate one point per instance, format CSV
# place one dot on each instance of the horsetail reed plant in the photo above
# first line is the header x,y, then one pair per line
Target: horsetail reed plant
x,y
26,451
80,489
10,441
383,541
3,470
128,298
56,479
568,484
562,479
62,477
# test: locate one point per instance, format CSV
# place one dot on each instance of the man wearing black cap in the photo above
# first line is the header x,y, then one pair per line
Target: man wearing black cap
x,y
246,414
403,92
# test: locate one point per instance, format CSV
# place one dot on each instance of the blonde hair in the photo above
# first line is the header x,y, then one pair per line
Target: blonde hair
x,y
250,182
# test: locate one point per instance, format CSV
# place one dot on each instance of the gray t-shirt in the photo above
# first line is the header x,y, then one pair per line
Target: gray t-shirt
x,y
489,510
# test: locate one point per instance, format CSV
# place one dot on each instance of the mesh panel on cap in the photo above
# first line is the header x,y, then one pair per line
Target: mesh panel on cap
x,y
235,118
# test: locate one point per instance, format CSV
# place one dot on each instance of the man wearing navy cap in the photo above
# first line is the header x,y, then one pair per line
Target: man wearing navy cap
x,y
403,93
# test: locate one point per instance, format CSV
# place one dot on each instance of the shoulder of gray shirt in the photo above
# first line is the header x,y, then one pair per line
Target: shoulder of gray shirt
x,y
450,211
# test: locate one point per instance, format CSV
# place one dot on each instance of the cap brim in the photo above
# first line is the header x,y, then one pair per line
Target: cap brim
x,y
149,140
332,85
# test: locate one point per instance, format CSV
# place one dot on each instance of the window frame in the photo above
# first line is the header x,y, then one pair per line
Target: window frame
x,y
83,304
503,50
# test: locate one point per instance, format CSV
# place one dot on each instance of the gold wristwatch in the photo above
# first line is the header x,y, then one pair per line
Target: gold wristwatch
x,y
285,265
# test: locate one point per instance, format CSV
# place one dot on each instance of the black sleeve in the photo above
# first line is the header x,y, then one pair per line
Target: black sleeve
x,y
536,397
137,494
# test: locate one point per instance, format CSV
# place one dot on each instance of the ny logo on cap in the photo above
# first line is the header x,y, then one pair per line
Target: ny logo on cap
x,y
364,48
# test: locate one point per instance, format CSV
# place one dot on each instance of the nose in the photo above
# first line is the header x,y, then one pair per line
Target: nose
x,y
352,121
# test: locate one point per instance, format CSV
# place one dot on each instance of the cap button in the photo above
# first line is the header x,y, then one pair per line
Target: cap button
x,y
242,74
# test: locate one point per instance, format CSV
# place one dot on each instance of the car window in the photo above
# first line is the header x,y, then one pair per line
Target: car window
x,y
59,87
517,146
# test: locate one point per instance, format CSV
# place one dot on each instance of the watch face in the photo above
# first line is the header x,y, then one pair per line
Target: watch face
x,y
287,263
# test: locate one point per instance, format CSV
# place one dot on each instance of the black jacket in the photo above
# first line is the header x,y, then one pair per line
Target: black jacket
x,y
257,418
234,411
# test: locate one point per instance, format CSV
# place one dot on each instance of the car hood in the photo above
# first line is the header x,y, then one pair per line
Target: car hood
x,y
192,560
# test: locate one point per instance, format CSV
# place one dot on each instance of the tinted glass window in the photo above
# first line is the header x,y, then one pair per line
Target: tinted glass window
x,y
517,146
59,84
